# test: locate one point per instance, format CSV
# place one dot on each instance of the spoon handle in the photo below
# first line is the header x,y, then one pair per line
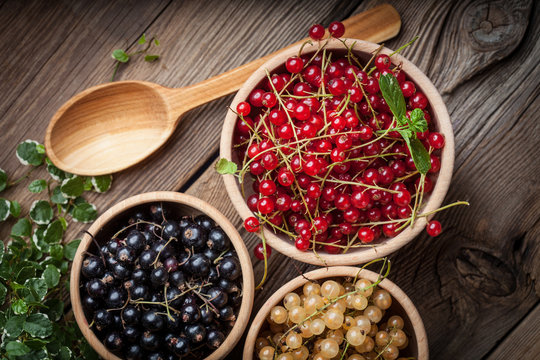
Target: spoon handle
x,y
377,24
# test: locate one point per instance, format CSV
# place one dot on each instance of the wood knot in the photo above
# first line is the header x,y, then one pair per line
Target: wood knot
x,y
492,25
485,272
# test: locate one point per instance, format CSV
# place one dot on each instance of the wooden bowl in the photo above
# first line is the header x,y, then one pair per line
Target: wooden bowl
x,y
108,223
401,305
440,119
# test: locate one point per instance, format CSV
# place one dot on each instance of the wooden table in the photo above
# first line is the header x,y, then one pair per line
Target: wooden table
x,y
476,285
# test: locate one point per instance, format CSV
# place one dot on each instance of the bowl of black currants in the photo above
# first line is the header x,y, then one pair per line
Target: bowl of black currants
x,y
161,276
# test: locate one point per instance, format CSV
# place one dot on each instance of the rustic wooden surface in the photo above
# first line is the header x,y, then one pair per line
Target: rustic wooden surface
x,y
476,286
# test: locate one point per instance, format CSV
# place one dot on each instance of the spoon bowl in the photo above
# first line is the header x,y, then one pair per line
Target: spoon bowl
x,y
110,127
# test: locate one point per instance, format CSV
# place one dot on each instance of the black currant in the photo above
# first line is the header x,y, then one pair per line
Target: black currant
x,y
134,352
171,229
121,271
227,285
211,254
136,240
112,246
108,278
131,333
157,356
102,319
115,298
90,304
137,217
195,333
194,236
229,268
226,313
198,265
213,275
205,222
174,297
158,212
140,292
178,345
174,322
147,258
92,267
207,315
126,255
235,299
113,341
177,279
163,249
190,313
214,339
96,288
152,321
218,240
217,296
139,276
150,341
171,264
131,315
159,276
190,299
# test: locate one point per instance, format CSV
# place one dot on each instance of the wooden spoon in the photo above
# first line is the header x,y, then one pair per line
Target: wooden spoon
x,y
110,127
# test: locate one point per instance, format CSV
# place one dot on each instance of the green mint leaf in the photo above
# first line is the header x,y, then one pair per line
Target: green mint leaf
x,y
5,207
142,39
71,188
57,251
51,275
87,184
15,209
38,287
3,180
25,273
54,172
3,293
22,228
14,325
71,248
102,183
16,348
64,353
84,213
419,155
54,232
417,121
391,92
40,149
55,308
225,166
28,153
57,197
156,41
19,307
41,212
38,325
151,58
120,55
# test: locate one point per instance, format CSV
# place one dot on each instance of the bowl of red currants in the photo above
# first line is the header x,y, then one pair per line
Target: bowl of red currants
x,y
162,275
337,152
337,312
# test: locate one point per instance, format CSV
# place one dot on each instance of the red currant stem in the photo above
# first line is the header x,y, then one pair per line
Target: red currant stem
x,y
404,225
386,263
350,242
302,47
374,223
377,51
344,182
443,208
345,103
311,95
404,46
344,246
406,177
263,280
350,54
344,350
263,218
417,203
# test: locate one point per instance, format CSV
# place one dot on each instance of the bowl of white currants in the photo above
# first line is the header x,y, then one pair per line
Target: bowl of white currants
x,y
337,312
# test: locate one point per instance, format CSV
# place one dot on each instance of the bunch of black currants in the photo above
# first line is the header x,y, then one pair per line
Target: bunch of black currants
x,y
162,288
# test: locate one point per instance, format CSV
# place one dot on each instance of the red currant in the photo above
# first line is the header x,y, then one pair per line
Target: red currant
x,y
366,235
382,61
260,253
294,64
336,29
251,224
434,228
316,32
436,140
243,108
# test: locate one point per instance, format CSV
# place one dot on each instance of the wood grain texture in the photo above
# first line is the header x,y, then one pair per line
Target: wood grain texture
x,y
473,285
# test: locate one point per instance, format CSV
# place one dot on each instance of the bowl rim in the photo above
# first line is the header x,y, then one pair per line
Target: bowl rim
x,y
364,254
339,271
248,281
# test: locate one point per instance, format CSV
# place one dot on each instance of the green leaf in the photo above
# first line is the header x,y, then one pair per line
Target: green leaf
x,y
29,153
419,155
3,293
84,213
40,148
15,209
73,187
16,348
225,166
55,309
38,325
87,183
151,58
57,196
102,183
14,325
54,232
391,92
156,41
25,273
64,353
40,354
3,180
63,221
54,172
57,252
71,248
120,55
37,186
142,39
19,307
41,212
417,121
39,286
22,228
51,275
5,206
